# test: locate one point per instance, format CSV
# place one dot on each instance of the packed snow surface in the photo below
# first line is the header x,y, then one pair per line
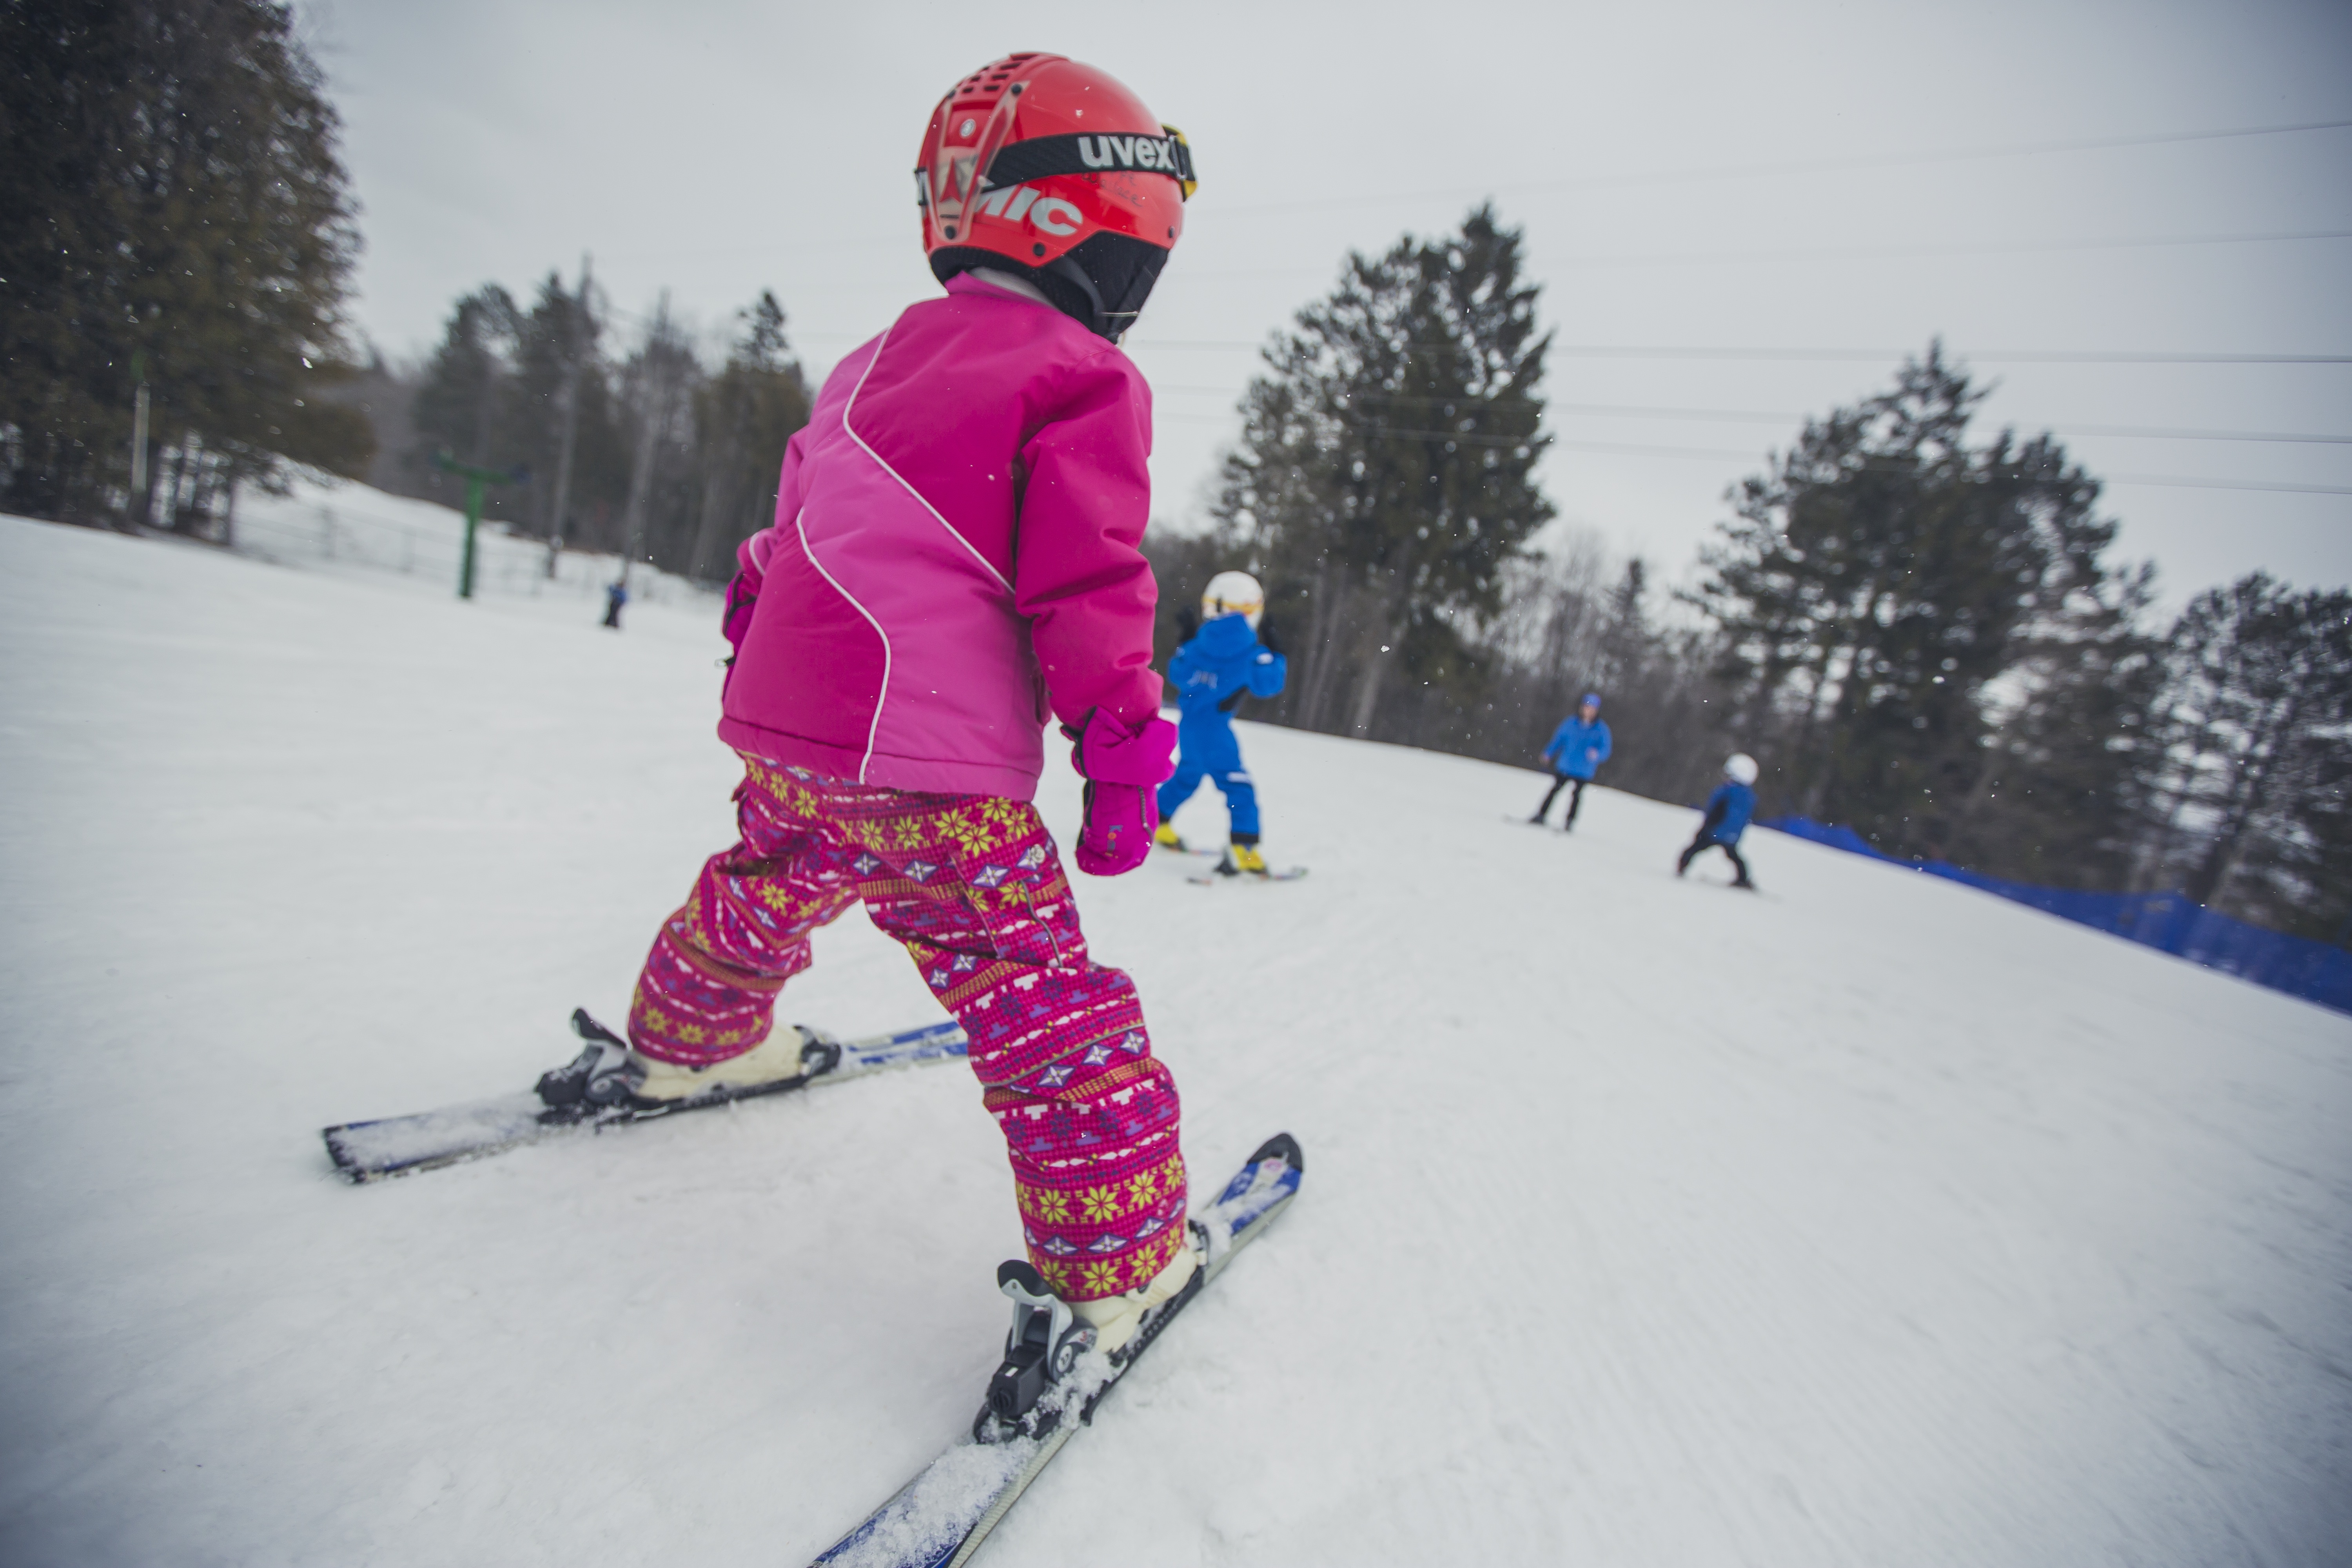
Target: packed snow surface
x,y
1869,1221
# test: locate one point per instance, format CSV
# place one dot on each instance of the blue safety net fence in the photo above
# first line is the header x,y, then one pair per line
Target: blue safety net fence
x,y
2171,922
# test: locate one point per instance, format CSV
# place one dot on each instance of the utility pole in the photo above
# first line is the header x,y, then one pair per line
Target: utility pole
x,y
477,480
652,417
139,437
576,331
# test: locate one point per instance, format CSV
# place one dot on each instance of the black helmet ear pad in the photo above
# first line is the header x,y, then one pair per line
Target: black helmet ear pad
x,y
1118,272
1101,282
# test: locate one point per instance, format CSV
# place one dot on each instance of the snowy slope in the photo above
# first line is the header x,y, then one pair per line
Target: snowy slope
x,y
346,529
1875,1221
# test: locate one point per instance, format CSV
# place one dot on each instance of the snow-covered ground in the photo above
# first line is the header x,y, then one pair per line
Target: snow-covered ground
x,y
1874,1221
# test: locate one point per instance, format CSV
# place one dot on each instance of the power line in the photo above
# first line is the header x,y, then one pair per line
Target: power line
x,y
2225,484
1758,417
1700,174
2013,356
1965,248
1868,357
1836,252
1805,165
1724,455
1460,437
2164,433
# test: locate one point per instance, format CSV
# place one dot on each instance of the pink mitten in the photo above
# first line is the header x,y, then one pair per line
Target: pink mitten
x,y
742,598
743,593
1120,820
1122,768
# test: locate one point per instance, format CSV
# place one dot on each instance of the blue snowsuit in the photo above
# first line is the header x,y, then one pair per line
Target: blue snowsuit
x,y
1211,674
1728,811
1575,752
1578,749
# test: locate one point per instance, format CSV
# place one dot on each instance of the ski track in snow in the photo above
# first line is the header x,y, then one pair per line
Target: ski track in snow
x,y
1885,1222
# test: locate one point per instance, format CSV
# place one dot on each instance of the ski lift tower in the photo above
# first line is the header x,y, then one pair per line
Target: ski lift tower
x,y
477,481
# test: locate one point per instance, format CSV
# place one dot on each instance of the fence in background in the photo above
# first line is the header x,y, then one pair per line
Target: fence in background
x,y
332,531
2170,922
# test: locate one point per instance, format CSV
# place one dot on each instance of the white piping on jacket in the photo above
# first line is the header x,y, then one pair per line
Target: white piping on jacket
x,y
801,528
886,468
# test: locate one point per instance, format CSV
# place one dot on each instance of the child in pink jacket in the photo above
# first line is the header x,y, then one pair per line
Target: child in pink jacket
x,y
953,566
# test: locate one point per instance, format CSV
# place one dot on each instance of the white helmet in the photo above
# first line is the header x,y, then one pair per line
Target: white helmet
x,y
1233,593
1740,768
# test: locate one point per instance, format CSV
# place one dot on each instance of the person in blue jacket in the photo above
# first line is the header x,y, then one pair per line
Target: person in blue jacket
x,y
1728,812
1220,665
1578,749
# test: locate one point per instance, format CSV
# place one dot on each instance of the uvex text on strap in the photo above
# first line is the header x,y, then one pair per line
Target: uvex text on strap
x,y
1085,154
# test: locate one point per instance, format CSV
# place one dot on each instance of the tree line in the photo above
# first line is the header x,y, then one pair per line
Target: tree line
x,y
1920,630
176,237
649,453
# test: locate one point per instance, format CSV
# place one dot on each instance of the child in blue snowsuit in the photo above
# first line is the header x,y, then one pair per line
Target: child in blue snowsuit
x,y
1729,810
1221,664
1578,749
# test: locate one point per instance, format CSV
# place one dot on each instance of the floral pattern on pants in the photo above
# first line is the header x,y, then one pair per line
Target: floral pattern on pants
x,y
973,887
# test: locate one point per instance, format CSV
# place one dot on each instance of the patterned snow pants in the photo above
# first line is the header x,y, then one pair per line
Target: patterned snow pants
x,y
973,886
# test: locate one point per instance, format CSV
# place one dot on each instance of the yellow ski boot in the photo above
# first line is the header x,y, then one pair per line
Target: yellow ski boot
x,y
1243,858
1166,837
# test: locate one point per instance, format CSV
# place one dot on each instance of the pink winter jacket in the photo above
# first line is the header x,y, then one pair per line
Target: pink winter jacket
x,y
954,556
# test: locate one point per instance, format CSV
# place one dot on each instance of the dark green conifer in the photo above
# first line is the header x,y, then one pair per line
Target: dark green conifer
x,y
170,195
744,415
1383,479
2259,718
1877,583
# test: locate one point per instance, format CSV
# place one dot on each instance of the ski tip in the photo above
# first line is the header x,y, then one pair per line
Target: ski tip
x,y
1281,1146
346,1166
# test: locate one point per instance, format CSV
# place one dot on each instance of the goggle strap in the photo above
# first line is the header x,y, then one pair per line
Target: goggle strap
x,y
1044,156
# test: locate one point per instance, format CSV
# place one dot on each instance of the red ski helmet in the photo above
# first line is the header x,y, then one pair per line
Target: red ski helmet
x,y
1050,170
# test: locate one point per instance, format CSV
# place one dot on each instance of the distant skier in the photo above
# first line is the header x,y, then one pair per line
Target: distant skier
x,y
616,593
955,551
1728,811
1576,749
1216,667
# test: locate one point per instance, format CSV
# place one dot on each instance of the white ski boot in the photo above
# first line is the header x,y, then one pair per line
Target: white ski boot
x,y
608,1073
782,1057
1115,1318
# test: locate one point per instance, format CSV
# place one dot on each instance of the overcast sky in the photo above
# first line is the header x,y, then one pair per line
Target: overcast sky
x,y
1656,155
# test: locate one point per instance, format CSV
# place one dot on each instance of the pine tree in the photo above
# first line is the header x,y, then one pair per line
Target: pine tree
x,y
461,405
2066,790
744,415
2258,715
1384,476
556,358
657,408
1879,581
168,190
